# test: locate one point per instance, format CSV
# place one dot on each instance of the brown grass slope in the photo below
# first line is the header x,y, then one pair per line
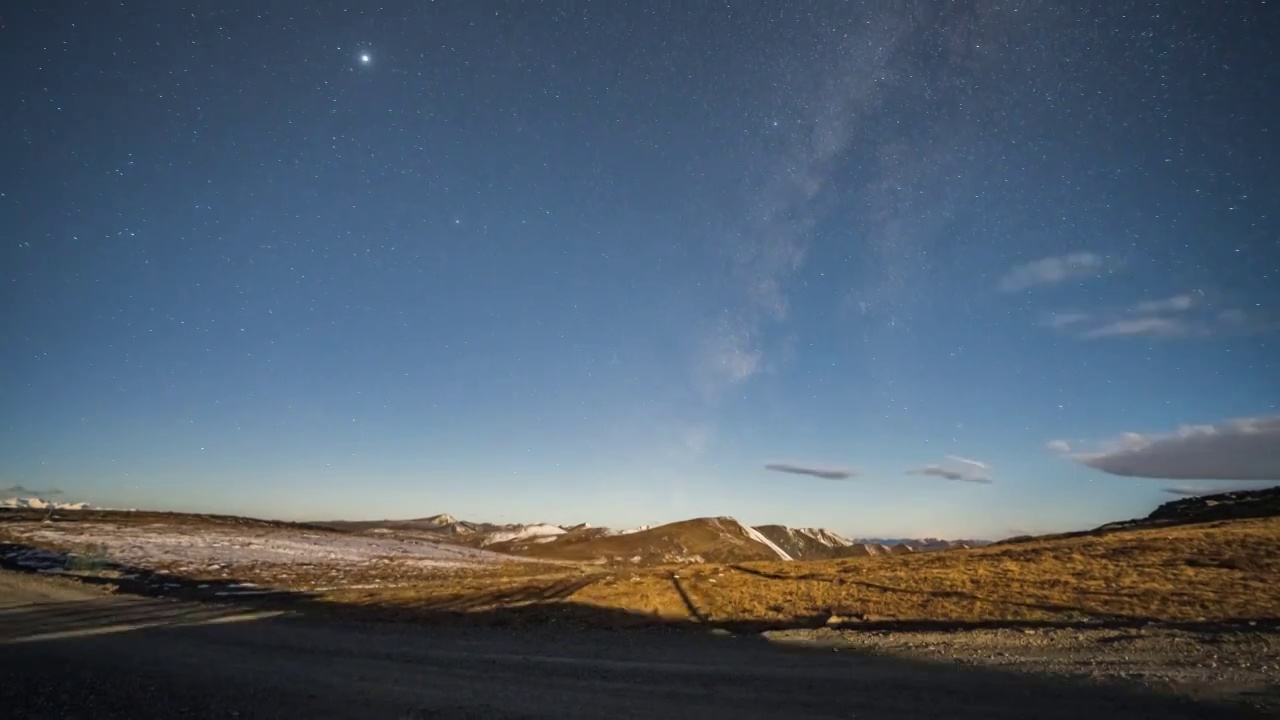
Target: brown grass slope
x,y
1226,570
1216,571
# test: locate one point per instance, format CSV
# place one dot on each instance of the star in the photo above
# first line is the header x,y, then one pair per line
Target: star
x,y
365,58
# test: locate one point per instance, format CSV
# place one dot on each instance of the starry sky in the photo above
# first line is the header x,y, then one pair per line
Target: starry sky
x,y
959,269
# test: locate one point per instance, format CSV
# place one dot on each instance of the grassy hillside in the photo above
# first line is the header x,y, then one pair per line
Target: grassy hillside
x,y
1215,571
1165,567
709,540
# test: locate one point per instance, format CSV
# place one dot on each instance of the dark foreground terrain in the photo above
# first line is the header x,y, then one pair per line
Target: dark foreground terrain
x,y
75,651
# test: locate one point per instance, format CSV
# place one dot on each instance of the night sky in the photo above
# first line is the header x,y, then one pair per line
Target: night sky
x,y
958,269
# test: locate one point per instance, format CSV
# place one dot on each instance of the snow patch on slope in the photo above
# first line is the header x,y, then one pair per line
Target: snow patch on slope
x,y
826,537
525,533
760,538
159,544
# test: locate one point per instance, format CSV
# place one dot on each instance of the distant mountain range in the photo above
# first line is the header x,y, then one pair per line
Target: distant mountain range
x,y
820,543
461,531
35,503
713,539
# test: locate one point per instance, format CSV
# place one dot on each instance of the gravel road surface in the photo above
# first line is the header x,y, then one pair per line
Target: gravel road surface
x,y
73,651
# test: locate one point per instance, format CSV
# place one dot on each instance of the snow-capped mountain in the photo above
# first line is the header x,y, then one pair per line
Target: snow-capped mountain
x,y
523,532
811,543
440,520
920,544
35,503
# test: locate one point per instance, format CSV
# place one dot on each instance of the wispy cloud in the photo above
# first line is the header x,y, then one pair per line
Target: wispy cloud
x,y
1163,318
1188,492
1186,315
1065,319
1058,446
1177,303
24,490
1239,449
961,469
1233,317
973,464
824,473
1151,327
1052,270
947,474
1224,323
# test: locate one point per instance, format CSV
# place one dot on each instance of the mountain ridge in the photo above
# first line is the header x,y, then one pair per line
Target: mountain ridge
x,y
691,540
697,540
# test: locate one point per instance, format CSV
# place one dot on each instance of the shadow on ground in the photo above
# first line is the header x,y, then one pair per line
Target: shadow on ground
x,y
142,653
540,603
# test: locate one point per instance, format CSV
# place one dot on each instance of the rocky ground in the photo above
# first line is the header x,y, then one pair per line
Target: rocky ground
x,y
1236,663
69,650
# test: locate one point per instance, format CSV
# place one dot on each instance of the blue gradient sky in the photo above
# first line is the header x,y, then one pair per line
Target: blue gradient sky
x,y
592,263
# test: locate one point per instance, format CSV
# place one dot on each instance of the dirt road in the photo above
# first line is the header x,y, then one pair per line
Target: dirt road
x,y
70,651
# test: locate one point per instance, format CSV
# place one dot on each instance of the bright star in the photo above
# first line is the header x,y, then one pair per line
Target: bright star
x,y
365,58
